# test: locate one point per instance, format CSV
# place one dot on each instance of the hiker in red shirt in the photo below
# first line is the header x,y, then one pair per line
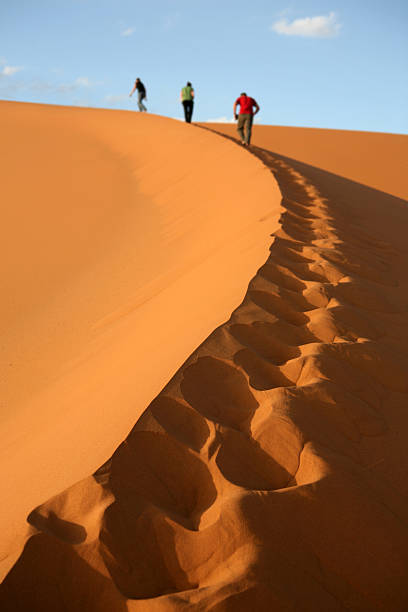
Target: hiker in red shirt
x,y
246,116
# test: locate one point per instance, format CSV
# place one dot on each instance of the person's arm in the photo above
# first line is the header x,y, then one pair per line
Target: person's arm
x,y
181,95
235,109
133,90
192,93
257,109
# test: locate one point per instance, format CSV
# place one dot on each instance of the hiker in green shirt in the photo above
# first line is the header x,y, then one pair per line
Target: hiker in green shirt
x,y
187,100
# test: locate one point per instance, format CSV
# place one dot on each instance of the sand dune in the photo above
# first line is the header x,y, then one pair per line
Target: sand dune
x,y
270,472
126,243
374,159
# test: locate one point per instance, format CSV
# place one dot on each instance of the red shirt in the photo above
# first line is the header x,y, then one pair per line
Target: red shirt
x,y
246,104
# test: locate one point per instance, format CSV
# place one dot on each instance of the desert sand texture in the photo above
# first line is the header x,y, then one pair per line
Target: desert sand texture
x,y
270,473
125,242
374,159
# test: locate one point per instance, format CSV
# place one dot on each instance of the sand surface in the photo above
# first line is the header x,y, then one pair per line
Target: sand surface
x,y
372,158
270,473
125,242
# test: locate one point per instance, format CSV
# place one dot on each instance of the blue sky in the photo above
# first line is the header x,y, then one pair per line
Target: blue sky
x,y
319,63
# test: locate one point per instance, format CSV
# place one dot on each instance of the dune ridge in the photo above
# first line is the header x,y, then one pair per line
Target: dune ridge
x,y
270,472
375,159
124,236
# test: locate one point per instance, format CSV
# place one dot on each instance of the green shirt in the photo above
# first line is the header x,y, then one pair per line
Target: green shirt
x,y
187,93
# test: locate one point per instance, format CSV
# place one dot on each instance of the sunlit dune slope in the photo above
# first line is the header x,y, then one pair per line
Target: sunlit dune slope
x,y
270,472
125,239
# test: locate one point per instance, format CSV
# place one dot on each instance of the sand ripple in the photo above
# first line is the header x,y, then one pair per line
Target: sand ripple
x,y
270,473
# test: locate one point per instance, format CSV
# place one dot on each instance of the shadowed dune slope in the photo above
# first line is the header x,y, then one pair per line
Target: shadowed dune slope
x,y
374,159
270,473
126,239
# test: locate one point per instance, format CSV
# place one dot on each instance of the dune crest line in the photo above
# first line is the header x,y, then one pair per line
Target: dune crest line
x,y
270,471
120,254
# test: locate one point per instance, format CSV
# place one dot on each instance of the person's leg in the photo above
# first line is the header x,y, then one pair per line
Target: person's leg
x,y
240,127
140,104
185,106
190,110
248,129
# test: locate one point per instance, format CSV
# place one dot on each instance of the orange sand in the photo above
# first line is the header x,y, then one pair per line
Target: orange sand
x,y
372,158
127,241
270,472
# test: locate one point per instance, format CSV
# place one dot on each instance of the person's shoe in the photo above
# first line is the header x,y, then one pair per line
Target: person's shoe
x,y
243,142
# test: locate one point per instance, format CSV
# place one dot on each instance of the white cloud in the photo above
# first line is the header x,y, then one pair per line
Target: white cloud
x,y
10,70
322,26
41,86
79,82
82,82
79,86
116,99
220,120
128,32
